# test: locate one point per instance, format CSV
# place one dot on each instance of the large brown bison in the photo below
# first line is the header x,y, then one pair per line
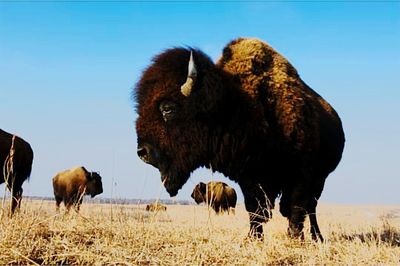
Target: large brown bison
x,y
221,197
249,116
16,158
71,185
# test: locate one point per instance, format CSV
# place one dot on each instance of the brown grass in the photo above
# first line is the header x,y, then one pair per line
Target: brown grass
x,y
192,235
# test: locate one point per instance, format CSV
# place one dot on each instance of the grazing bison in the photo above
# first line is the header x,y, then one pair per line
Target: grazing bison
x,y
71,185
16,158
155,206
249,116
218,195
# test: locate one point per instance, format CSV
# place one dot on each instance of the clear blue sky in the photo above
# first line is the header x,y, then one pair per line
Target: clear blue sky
x,y
67,70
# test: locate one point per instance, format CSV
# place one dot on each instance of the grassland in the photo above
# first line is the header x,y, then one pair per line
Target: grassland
x,y
192,235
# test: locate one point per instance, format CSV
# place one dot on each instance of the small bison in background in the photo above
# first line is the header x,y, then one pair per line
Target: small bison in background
x,y
218,195
155,206
16,157
250,117
71,185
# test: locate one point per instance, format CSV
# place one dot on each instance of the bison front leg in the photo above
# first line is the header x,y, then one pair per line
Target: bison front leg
x,y
78,204
68,204
258,204
257,218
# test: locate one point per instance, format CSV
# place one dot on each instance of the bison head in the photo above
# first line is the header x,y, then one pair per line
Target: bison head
x,y
94,186
199,193
178,103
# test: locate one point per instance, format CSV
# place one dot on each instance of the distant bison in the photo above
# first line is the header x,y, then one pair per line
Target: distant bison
x,y
71,185
155,206
249,116
218,195
16,158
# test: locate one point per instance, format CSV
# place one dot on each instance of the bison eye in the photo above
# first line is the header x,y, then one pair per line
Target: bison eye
x,y
168,110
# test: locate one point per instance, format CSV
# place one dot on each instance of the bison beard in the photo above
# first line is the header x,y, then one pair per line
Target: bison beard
x,y
250,117
173,182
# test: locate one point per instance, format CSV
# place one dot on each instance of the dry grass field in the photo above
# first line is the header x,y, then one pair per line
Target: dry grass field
x,y
191,235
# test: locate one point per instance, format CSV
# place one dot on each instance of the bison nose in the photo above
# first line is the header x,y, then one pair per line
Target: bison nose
x,y
143,153
148,154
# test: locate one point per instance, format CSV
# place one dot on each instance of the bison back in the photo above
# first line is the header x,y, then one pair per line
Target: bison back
x,y
69,182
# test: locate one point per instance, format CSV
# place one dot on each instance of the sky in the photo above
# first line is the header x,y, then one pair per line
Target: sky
x,y
67,70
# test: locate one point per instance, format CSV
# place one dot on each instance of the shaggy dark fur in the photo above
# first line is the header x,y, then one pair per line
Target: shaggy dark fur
x,y
221,197
21,160
250,117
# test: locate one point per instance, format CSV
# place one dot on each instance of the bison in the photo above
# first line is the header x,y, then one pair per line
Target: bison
x,y
221,197
71,185
16,157
250,117
155,207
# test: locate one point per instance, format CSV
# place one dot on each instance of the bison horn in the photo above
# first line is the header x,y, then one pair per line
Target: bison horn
x,y
186,88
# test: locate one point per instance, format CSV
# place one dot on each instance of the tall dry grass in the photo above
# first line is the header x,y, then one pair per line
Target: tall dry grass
x,y
192,235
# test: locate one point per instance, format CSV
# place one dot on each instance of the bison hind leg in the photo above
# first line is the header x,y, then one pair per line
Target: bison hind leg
x,y
294,206
297,217
296,222
16,197
314,228
315,232
68,203
58,202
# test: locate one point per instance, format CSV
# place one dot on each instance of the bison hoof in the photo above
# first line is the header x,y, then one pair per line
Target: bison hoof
x,y
255,236
295,234
317,237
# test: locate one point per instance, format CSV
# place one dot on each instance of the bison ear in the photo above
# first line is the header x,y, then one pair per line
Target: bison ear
x,y
187,87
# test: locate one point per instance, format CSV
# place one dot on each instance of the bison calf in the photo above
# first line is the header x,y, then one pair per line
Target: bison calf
x,y
218,195
71,185
155,206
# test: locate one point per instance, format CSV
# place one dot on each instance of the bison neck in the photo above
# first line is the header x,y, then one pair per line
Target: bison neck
x,y
239,145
